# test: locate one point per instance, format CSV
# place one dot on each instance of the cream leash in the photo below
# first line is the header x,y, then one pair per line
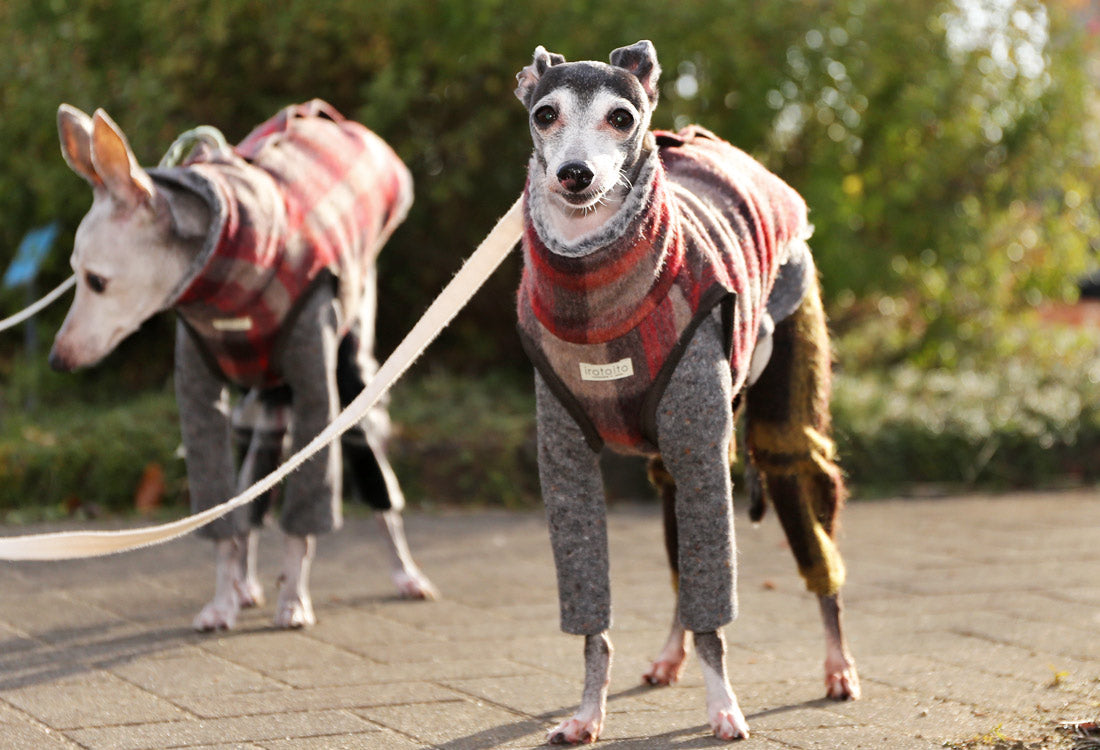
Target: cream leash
x,y
31,311
489,254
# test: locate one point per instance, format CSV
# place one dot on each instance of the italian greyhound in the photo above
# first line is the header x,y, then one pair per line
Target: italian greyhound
x,y
274,289
667,283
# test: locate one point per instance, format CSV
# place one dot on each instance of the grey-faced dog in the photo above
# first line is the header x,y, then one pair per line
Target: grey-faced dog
x,y
667,283
223,243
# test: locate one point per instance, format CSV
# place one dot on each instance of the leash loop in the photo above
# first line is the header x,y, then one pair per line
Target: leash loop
x,y
187,140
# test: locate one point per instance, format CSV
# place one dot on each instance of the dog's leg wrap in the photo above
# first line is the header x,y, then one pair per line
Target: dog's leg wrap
x,y
585,725
695,427
572,489
789,443
311,499
203,404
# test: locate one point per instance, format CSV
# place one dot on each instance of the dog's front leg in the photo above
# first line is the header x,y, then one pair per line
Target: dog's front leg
x,y
585,725
311,501
695,427
204,422
294,608
726,720
572,489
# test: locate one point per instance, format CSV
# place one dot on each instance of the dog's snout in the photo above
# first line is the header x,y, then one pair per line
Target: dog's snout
x,y
575,176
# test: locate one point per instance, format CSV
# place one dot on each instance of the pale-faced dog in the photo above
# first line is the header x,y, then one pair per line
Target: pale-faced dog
x,y
667,281
153,239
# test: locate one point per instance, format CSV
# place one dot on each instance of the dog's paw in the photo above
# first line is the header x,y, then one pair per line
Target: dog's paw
x,y
412,584
728,723
217,615
841,681
251,593
575,731
294,612
664,671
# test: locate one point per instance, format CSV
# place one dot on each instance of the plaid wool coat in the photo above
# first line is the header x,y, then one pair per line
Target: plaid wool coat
x,y
305,197
607,329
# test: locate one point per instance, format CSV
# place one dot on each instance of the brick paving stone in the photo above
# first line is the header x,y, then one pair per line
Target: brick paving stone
x,y
460,725
256,729
90,700
968,616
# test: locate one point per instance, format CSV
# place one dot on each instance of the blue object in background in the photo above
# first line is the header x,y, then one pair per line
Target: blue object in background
x,y
32,251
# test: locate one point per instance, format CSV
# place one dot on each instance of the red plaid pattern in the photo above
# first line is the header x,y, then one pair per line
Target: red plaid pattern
x,y
710,233
306,191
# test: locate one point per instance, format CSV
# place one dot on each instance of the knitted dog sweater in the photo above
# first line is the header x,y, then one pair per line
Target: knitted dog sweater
x,y
305,192
712,228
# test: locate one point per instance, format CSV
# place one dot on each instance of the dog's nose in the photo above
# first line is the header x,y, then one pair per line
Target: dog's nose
x,y
57,362
575,176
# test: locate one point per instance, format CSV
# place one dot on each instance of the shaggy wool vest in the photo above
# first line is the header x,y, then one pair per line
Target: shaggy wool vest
x,y
306,197
710,227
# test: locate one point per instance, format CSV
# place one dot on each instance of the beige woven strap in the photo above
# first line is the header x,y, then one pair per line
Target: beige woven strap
x,y
489,254
32,310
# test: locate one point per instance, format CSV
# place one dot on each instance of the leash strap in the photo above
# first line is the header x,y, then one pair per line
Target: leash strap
x,y
41,304
493,249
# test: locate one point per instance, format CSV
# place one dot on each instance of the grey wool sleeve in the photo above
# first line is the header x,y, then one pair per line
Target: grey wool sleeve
x,y
695,427
572,489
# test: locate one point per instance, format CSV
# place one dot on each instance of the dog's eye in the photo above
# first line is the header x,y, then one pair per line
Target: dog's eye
x,y
620,119
545,115
96,283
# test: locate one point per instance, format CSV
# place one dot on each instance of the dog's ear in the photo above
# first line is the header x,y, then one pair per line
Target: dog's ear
x,y
529,76
641,60
189,219
116,164
74,128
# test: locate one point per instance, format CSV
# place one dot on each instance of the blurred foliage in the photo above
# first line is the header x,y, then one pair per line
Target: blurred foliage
x,y
947,149
943,151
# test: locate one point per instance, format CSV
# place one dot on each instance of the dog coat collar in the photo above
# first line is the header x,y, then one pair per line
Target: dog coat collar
x,y
306,196
605,330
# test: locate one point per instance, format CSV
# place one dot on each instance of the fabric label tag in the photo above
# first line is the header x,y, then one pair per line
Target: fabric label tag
x,y
624,368
232,324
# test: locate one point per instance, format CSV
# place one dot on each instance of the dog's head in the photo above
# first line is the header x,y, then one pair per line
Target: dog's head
x,y
126,255
588,122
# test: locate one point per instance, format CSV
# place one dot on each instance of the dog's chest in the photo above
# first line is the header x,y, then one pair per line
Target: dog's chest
x,y
607,331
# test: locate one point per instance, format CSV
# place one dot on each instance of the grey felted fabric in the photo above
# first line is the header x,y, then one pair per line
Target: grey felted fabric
x,y
203,402
572,489
311,498
694,429
696,403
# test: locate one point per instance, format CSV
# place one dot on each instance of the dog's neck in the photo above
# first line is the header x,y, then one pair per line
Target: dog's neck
x,y
571,233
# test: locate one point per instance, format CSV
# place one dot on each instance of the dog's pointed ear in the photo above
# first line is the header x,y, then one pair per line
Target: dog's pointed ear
x,y
115,163
74,128
189,219
529,76
641,60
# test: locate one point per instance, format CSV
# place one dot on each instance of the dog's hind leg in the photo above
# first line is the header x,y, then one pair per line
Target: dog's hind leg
x,y
364,450
669,664
788,437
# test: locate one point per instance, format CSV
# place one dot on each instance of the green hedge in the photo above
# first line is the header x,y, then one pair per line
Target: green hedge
x,y
913,141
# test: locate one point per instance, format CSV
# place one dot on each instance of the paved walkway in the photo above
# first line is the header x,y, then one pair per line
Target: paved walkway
x,y
974,620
